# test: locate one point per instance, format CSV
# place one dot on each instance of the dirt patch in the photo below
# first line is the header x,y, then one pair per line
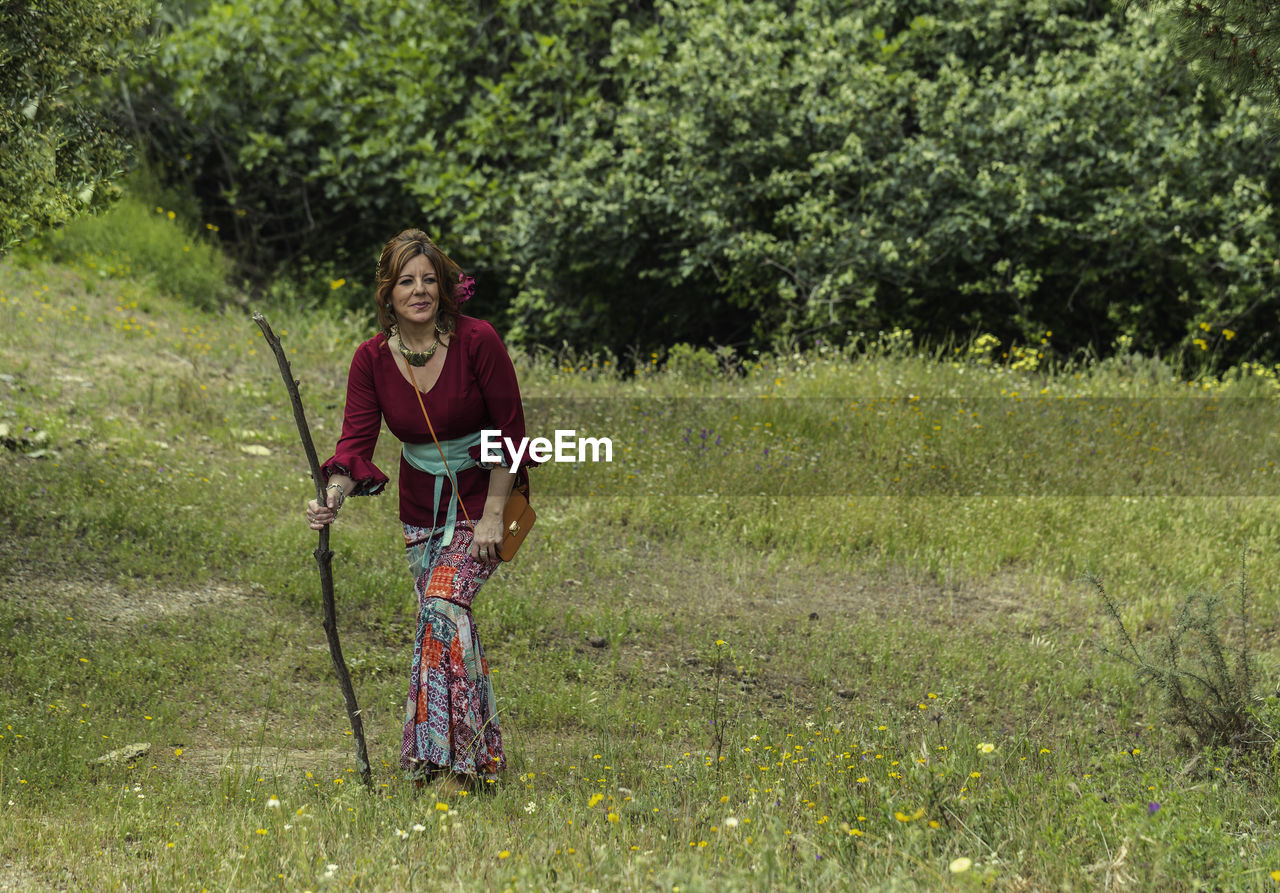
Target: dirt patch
x,y
680,584
14,877
761,592
110,603
217,758
781,611
782,588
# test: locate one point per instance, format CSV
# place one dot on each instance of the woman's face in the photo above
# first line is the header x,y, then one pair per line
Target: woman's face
x,y
415,296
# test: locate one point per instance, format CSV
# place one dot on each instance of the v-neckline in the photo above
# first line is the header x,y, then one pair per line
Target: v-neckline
x,y
397,358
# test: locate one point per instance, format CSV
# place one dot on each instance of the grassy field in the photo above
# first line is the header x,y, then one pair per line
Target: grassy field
x,y
818,625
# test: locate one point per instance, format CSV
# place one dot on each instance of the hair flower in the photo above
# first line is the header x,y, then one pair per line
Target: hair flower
x,y
466,288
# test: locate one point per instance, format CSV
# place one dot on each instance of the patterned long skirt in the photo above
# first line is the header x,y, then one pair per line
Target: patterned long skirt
x,y
450,720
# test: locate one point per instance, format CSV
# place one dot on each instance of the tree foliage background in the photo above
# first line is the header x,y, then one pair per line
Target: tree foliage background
x,y
59,151
618,172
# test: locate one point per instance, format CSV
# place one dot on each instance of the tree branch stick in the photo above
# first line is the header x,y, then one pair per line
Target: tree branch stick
x,y
324,557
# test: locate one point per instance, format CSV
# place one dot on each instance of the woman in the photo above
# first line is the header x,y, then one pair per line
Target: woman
x,y
466,384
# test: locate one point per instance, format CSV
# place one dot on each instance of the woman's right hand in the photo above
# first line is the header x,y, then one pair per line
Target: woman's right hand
x,y
320,515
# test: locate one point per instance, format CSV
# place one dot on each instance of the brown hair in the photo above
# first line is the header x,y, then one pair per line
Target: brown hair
x,y
399,250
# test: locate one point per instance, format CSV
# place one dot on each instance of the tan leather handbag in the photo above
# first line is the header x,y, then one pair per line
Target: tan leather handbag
x,y
517,515
517,519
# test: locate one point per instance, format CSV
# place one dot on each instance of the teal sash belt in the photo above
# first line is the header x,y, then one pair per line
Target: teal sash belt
x,y
425,457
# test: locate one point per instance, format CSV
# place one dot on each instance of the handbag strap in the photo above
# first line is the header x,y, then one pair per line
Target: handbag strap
x,y
436,440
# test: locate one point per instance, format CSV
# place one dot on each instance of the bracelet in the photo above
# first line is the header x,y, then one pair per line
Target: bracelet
x,y
342,494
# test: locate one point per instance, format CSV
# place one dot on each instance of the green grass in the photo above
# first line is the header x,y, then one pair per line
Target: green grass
x,y
896,583
144,236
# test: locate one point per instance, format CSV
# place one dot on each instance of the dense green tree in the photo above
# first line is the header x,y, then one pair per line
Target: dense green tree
x,y
623,173
1015,166
58,152
310,129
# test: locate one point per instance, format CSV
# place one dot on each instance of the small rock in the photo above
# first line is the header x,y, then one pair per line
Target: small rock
x,y
124,754
813,615
847,694
597,641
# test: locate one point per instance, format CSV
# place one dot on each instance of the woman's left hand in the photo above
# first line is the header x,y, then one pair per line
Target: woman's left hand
x,y
487,538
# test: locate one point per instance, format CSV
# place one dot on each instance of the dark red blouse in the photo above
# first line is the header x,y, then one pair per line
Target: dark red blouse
x,y
477,389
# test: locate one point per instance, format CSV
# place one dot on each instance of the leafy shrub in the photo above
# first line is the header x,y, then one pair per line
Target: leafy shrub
x,y
320,142
58,152
1011,167
696,363
620,172
139,236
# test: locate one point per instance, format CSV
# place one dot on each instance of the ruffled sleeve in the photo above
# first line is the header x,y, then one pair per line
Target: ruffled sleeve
x,y
361,423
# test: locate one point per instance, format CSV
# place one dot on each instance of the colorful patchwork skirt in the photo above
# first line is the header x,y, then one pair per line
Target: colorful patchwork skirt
x,y
450,720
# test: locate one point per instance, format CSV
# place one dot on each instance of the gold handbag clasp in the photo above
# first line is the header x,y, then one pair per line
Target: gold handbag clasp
x,y
514,528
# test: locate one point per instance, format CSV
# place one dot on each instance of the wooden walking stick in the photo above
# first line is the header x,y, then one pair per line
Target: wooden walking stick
x,y
324,557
